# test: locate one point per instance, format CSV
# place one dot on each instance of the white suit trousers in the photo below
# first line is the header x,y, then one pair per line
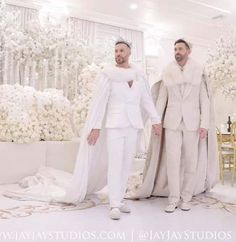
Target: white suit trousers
x,y
181,150
121,147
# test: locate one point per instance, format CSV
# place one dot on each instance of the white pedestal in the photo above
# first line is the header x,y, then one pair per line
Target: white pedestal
x,y
62,155
20,160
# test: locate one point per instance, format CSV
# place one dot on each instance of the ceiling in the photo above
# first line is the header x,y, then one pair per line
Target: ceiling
x,y
198,19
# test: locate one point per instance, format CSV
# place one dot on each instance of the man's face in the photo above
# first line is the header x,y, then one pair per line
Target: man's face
x,y
122,53
181,52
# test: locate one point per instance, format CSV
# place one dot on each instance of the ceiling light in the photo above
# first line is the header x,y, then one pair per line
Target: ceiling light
x,y
210,6
133,6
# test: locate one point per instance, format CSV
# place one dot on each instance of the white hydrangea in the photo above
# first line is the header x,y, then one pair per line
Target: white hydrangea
x,y
54,113
28,116
18,114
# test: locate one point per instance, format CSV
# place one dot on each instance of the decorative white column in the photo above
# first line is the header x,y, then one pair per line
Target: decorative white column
x,y
56,68
62,68
76,82
65,83
26,74
11,69
33,72
45,74
5,67
69,26
17,72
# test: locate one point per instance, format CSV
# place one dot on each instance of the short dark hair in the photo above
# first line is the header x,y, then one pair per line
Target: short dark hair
x,y
182,41
122,42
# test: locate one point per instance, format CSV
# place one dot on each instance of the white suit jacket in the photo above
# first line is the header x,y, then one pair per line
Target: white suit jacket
x,y
125,105
192,106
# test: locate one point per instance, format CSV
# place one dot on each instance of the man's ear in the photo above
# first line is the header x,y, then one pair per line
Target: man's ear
x,y
129,52
189,51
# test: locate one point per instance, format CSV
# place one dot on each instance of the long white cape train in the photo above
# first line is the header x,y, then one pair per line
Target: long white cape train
x,y
90,172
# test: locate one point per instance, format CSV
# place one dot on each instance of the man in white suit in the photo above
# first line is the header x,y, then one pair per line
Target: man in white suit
x,y
184,104
125,98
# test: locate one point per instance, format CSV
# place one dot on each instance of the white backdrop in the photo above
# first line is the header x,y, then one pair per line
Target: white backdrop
x,y
93,34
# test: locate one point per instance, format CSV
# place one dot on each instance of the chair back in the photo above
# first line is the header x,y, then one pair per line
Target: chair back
x,y
233,133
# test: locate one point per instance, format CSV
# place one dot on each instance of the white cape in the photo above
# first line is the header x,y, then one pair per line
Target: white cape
x,y
155,182
90,172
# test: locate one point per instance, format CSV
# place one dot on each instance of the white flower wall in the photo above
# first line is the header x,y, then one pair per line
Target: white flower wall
x,y
58,61
54,115
53,56
27,115
18,114
43,57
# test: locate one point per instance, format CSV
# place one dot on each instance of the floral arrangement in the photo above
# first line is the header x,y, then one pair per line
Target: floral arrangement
x,y
18,114
221,65
54,115
87,82
51,55
28,116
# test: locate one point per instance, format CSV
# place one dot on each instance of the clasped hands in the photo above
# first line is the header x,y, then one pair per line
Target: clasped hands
x,y
94,134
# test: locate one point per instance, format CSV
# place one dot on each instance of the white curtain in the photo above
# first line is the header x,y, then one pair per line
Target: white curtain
x,y
93,33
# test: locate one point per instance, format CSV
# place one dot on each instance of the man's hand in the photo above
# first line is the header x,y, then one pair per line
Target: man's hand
x,y
202,133
157,129
93,136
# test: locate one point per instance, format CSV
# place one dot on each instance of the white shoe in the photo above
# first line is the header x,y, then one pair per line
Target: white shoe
x,y
115,213
125,208
171,208
185,206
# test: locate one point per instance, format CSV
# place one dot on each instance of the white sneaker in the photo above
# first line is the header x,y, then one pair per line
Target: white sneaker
x,y
171,208
115,213
185,206
125,208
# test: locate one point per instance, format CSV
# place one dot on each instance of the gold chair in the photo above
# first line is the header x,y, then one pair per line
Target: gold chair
x,y
233,143
226,156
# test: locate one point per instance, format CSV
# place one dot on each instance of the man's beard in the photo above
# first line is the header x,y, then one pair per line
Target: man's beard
x,y
120,60
179,58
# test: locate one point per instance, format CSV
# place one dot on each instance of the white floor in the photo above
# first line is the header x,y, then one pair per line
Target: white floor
x,y
147,222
